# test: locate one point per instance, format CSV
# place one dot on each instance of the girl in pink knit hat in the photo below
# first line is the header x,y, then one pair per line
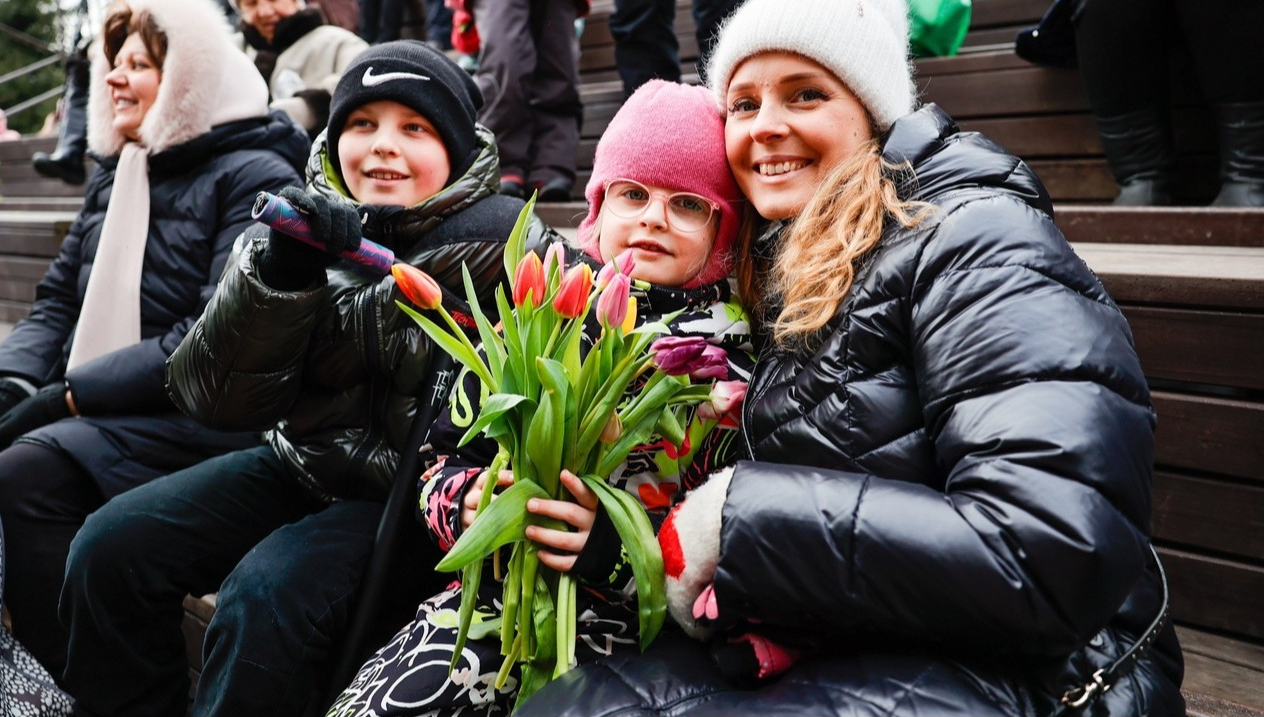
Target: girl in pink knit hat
x,y
663,201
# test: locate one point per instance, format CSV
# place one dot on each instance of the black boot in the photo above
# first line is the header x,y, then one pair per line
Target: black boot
x,y
1139,150
1241,133
66,161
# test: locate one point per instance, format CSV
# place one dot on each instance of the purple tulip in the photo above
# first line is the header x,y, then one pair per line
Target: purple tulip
x,y
713,363
676,355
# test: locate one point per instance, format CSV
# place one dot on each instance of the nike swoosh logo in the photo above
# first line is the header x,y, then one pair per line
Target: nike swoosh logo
x,y
372,80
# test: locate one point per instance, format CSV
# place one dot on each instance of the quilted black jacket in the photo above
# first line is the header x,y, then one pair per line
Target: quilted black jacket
x,y
949,497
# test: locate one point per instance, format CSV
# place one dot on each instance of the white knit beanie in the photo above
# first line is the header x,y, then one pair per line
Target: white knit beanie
x,y
863,42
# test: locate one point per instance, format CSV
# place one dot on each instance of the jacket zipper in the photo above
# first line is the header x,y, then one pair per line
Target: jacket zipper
x,y
760,362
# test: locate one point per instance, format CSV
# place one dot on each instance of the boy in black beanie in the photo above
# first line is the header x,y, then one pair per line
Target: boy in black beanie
x,y
315,354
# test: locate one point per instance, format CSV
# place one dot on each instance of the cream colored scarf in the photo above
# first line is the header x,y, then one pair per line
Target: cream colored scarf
x,y
110,317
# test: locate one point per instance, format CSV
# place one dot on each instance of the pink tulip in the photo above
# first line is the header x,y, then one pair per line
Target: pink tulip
x,y
528,283
572,296
726,397
417,286
555,256
612,307
626,262
608,272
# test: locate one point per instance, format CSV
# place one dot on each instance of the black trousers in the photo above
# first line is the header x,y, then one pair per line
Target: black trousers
x,y
645,45
44,499
1124,48
287,568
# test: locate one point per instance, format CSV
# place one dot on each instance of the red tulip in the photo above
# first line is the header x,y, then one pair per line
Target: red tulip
x,y
417,286
612,307
528,283
572,295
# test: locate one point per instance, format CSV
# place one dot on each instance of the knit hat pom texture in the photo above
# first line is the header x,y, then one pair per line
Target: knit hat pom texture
x,y
863,42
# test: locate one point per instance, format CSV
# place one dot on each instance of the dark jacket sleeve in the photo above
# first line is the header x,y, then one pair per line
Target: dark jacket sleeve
x,y
240,368
36,348
1035,405
132,379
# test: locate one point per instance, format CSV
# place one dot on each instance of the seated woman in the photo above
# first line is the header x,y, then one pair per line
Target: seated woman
x,y
947,505
180,121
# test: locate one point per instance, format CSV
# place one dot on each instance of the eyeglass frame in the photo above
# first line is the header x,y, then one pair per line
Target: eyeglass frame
x,y
666,201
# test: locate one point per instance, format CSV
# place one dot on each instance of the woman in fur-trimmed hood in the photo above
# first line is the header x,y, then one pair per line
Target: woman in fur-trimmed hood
x,y
181,152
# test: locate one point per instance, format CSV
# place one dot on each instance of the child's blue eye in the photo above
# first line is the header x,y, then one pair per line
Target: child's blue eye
x,y
742,105
812,94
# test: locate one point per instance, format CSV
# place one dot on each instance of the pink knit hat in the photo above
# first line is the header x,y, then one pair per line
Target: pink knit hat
x,y
670,135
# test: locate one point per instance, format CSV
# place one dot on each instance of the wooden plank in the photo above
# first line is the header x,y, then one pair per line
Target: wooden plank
x,y
1215,594
1022,91
1075,180
1206,347
1210,277
985,13
22,149
1205,226
1211,515
1209,676
12,312
1076,135
1210,435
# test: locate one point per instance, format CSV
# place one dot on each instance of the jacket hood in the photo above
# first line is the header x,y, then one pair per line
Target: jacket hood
x,y
482,179
206,81
944,157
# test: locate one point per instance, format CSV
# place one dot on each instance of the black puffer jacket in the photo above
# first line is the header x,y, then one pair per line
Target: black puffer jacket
x,y
951,495
201,193
336,372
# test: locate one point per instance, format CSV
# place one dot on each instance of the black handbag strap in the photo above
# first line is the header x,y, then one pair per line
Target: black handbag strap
x,y
1101,681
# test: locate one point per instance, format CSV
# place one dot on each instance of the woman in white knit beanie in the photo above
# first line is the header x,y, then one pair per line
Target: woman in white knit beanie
x,y
947,506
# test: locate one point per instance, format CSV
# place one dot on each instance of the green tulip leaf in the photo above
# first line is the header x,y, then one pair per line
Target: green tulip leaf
x,y
496,405
502,522
637,534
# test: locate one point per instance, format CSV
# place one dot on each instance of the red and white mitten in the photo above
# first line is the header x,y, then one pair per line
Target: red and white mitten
x,y
690,539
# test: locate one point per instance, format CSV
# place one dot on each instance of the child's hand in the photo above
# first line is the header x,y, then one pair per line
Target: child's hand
x,y
469,505
579,515
289,264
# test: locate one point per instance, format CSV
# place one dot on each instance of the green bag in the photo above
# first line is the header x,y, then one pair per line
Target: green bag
x,y
937,27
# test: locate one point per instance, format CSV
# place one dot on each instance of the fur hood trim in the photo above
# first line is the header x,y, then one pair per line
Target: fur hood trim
x,y
206,81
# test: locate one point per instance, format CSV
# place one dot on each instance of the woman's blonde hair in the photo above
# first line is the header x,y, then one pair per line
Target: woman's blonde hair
x,y
816,258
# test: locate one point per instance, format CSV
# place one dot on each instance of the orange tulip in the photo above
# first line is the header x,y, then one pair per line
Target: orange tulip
x,y
528,283
572,295
418,286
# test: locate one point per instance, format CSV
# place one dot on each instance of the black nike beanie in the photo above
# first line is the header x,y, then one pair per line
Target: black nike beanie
x,y
418,76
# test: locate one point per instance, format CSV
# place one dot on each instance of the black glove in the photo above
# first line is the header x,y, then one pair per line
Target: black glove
x,y
11,394
289,264
46,406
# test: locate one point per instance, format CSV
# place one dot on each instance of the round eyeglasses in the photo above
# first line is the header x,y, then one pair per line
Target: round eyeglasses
x,y
686,212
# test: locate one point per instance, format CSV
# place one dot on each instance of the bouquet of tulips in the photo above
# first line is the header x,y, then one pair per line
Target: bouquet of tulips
x,y
550,406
